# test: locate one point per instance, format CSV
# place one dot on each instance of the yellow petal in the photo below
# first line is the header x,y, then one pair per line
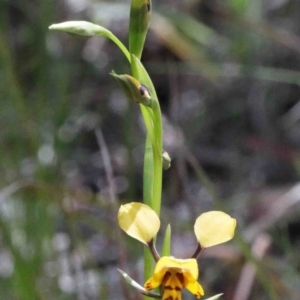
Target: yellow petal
x,y
158,274
193,286
184,264
139,221
172,265
155,280
213,228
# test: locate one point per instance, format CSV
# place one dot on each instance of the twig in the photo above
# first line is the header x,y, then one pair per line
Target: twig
x,y
113,198
247,277
277,211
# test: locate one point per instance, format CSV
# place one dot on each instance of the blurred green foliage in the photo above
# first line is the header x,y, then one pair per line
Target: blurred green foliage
x,y
227,75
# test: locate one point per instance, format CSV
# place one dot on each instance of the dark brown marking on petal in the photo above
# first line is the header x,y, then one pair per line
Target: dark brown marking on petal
x,y
180,278
166,277
176,288
168,287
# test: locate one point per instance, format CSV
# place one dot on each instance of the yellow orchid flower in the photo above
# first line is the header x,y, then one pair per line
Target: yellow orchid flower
x,y
173,275
142,223
139,221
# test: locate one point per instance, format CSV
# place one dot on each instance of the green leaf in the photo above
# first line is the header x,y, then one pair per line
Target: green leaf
x,y
131,281
140,12
137,286
166,248
148,172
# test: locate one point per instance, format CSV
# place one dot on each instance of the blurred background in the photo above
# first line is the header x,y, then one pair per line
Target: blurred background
x,y
227,76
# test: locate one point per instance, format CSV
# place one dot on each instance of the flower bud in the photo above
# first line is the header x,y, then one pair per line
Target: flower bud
x,y
82,28
140,11
133,89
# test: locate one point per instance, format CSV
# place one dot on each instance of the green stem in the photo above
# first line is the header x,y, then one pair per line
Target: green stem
x,y
148,172
153,122
148,266
148,117
113,38
157,156
140,73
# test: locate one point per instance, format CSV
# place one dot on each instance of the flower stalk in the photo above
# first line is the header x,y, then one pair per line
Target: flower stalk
x,y
141,220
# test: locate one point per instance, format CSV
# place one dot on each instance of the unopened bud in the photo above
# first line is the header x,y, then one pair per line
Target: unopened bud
x,y
133,88
166,160
82,28
140,11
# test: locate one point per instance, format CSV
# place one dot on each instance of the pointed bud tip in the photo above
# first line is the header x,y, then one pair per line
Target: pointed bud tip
x,y
166,160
